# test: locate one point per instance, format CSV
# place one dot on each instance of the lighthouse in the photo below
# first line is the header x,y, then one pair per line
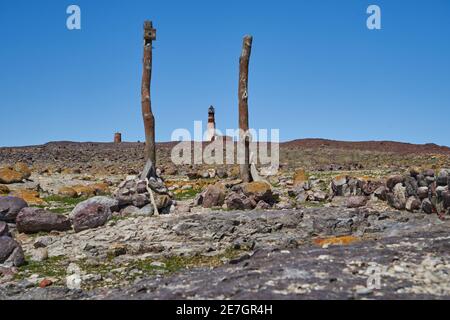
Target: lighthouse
x,y
211,130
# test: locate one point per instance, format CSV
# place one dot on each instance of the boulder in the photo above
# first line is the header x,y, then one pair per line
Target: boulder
x,y
381,193
9,175
442,178
34,220
11,253
262,205
319,195
339,186
4,230
214,196
413,204
10,208
67,192
356,201
259,190
89,216
411,186
31,197
163,201
397,199
39,254
236,201
422,192
110,203
392,181
23,169
427,206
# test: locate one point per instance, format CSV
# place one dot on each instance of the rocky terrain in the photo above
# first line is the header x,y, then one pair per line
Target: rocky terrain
x,y
77,221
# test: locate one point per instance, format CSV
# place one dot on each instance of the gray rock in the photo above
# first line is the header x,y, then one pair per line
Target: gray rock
x,y
90,216
10,208
339,186
446,199
442,179
130,210
422,192
43,242
392,181
397,199
428,173
214,196
148,210
4,231
356,201
412,204
34,220
262,205
112,204
11,253
381,193
39,255
237,201
411,186
427,206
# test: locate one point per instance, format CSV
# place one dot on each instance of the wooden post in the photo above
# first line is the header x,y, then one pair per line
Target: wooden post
x,y
149,120
243,106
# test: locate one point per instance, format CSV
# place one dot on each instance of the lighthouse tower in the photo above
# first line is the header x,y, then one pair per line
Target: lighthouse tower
x,y
211,131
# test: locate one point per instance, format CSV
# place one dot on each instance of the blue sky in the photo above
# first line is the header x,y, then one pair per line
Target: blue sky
x,y
316,70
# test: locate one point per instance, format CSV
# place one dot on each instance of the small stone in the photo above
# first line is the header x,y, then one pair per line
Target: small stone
x,y
39,255
45,283
73,282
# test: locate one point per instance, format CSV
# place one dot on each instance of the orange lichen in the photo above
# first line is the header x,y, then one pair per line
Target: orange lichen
x,y
337,241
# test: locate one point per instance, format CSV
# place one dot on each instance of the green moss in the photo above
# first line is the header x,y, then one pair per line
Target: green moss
x,y
186,194
68,201
52,267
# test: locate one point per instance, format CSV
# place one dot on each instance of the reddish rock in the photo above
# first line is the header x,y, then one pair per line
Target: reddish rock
x,y
34,220
91,215
45,283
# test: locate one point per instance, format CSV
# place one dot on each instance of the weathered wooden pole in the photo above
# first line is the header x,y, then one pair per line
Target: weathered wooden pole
x,y
243,107
149,119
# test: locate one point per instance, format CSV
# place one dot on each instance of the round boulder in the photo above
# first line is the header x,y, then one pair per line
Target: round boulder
x,y
89,216
111,203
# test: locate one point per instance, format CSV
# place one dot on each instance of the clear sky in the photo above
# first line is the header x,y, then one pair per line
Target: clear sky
x,y
316,71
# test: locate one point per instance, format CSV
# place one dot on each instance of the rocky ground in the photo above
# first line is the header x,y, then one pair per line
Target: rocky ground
x,y
334,214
